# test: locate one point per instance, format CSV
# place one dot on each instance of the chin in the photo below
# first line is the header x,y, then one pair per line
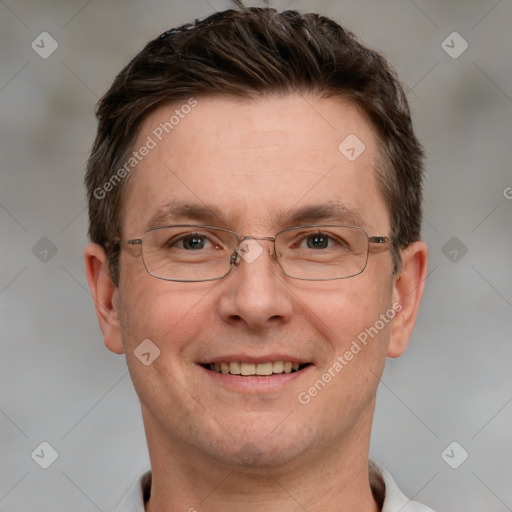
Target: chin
x,y
261,447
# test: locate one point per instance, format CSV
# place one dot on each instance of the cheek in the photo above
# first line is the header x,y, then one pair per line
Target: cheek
x,y
167,313
348,315
171,318
345,308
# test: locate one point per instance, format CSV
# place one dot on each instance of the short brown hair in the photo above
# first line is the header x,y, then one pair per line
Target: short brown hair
x,y
246,54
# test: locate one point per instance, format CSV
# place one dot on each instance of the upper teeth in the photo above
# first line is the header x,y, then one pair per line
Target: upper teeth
x,y
240,368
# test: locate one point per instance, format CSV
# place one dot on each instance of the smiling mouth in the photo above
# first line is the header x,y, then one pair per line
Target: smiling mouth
x,y
255,369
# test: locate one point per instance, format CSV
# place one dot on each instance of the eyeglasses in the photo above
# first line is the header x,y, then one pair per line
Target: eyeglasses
x,y
191,253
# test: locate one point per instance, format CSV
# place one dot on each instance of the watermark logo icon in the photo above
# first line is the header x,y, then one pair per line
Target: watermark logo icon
x,y
44,250
146,352
351,147
250,250
454,455
249,455
44,45
454,249
454,45
44,455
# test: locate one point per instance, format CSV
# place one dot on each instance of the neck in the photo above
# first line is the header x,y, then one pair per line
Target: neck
x,y
184,480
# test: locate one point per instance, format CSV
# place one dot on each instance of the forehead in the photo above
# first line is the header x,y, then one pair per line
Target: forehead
x,y
251,162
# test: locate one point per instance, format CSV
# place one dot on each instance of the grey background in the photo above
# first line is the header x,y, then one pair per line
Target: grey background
x,y
60,385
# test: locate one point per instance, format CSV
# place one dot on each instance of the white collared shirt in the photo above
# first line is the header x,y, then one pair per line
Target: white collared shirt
x,y
383,486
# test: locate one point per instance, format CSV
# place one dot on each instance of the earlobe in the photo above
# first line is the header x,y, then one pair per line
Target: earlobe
x,y
105,295
407,293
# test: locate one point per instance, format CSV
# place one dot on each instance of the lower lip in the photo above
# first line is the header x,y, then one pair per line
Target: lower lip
x,y
257,384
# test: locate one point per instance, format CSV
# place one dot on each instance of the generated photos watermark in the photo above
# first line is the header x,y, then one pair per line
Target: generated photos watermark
x,y
152,141
343,360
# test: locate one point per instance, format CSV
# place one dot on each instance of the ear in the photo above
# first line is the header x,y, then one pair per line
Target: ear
x,y
407,293
105,295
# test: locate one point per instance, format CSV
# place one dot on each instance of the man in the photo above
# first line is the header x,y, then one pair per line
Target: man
x,y
255,210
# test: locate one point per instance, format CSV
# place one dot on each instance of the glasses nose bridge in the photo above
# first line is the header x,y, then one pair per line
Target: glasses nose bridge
x,y
250,237
235,257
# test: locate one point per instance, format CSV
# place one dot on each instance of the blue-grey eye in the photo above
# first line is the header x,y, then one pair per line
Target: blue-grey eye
x,y
318,241
193,242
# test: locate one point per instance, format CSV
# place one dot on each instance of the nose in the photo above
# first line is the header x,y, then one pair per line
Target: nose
x,y
255,294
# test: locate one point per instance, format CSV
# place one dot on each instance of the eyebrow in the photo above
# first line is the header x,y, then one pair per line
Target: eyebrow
x,y
181,211
326,212
177,211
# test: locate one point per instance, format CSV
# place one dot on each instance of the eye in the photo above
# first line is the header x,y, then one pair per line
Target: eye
x,y
318,241
190,242
194,242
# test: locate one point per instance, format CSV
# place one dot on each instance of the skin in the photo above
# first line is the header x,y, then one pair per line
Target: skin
x,y
239,446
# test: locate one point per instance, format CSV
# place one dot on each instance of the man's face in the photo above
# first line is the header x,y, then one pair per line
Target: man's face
x,y
254,164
